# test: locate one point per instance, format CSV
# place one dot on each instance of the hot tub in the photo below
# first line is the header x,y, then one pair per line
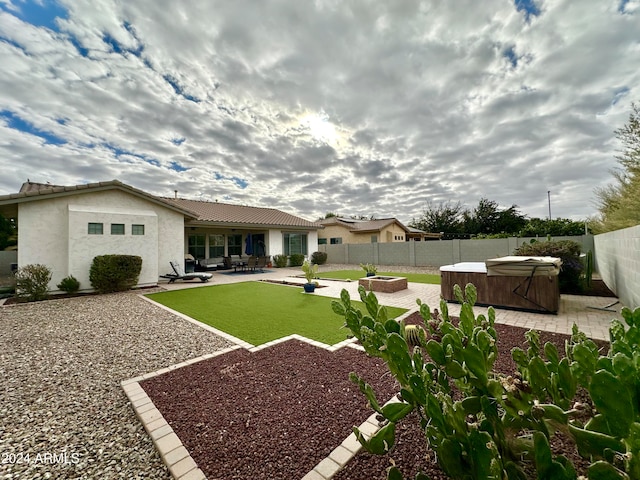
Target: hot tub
x,y
520,283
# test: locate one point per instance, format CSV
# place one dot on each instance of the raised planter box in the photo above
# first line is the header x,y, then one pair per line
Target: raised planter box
x,y
383,284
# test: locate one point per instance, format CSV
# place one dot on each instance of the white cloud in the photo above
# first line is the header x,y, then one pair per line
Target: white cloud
x,y
361,108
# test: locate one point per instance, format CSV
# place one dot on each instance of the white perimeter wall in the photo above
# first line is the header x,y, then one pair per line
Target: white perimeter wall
x,y
54,232
618,262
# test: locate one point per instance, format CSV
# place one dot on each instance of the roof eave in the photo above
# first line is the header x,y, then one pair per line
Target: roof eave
x,y
56,192
215,223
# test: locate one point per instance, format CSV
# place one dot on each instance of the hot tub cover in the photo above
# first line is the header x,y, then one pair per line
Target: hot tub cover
x,y
470,267
519,266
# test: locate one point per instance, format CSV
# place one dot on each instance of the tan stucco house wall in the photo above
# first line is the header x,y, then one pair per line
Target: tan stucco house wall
x,y
392,232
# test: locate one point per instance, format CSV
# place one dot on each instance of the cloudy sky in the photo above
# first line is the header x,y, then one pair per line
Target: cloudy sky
x,y
359,107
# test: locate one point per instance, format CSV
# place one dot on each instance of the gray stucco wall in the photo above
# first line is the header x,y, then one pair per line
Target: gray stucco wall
x,y
434,253
618,262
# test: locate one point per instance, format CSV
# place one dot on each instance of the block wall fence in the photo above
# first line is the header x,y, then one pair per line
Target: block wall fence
x,y
434,253
618,262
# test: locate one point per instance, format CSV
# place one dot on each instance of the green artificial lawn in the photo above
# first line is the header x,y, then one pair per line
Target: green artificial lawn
x,y
260,312
356,274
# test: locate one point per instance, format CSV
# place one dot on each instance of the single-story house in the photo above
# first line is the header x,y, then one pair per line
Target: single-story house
x,y
417,235
339,230
65,227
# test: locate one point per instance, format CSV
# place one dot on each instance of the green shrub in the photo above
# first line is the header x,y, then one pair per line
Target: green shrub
x,y
369,268
280,261
114,273
296,260
32,282
319,258
495,425
570,278
69,284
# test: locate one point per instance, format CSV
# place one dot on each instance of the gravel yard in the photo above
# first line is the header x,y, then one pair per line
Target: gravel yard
x,y
63,413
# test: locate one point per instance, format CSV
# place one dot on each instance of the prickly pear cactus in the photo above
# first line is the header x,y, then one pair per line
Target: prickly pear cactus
x,y
502,421
611,436
470,436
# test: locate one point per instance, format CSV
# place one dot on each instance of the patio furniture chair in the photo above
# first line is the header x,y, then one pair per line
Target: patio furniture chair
x,y
228,265
252,263
180,275
262,262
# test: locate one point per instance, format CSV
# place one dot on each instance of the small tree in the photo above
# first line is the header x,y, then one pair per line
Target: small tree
x,y
32,282
444,217
619,203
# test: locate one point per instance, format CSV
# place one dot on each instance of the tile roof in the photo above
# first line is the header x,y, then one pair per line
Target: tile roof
x,y
241,215
198,210
38,191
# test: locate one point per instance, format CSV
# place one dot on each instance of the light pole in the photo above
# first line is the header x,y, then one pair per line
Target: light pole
x,y
549,199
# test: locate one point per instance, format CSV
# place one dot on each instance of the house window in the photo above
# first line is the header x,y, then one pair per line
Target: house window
x,y
374,239
322,241
196,246
235,244
95,228
137,229
295,243
117,229
216,246
336,241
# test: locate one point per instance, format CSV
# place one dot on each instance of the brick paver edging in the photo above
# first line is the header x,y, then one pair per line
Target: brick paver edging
x,y
174,454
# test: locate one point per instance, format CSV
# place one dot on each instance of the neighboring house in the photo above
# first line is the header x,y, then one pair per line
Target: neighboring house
x,y
339,230
417,235
65,227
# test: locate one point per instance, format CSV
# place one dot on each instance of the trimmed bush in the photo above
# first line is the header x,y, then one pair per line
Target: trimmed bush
x,y
296,260
69,284
115,273
280,261
32,282
570,278
319,258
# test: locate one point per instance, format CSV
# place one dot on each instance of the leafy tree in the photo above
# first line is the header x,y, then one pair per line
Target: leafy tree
x,y
444,217
619,203
487,218
541,227
511,220
484,218
355,217
8,233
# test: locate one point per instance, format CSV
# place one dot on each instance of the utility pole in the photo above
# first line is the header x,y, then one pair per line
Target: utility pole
x,y
549,198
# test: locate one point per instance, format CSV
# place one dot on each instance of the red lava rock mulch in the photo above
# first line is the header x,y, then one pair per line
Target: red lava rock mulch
x,y
276,413
272,414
